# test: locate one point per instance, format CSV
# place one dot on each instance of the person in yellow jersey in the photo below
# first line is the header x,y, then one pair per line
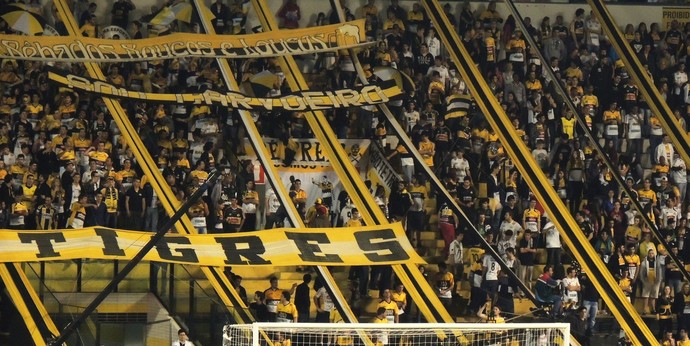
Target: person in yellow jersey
x,y
98,155
90,28
492,317
531,217
567,125
683,339
390,306
632,266
613,121
29,193
355,220
444,284
646,195
286,311
380,338
18,169
427,150
18,213
127,175
633,233
273,297
282,339
78,213
668,340
399,296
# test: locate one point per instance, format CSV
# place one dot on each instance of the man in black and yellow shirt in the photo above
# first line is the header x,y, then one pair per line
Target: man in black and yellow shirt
x,y
273,296
111,197
233,216
46,216
444,284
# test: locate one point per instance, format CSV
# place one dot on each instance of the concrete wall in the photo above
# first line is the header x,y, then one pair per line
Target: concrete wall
x,y
623,14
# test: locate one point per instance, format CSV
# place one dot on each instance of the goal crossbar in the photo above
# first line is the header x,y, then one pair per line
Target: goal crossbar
x,y
374,334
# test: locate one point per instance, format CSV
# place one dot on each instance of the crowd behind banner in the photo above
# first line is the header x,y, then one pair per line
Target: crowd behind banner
x,y
65,163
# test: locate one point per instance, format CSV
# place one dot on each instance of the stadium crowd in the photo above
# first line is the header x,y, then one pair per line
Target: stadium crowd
x,y
66,164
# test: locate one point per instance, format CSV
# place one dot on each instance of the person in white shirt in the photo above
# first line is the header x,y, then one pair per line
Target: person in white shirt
x,y
324,305
679,175
459,165
664,149
433,42
455,256
272,205
669,214
411,116
679,79
508,233
633,131
442,71
571,286
553,243
491,269
183,339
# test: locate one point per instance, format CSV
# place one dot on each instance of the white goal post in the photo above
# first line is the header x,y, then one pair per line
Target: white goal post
x,y
399,334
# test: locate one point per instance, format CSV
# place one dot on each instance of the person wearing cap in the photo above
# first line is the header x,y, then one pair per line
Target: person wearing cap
x,y
233,216
311,211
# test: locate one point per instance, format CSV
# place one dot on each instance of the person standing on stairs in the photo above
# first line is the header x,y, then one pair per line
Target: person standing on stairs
x,y
416,213
302,300
445,285
273,296
447,221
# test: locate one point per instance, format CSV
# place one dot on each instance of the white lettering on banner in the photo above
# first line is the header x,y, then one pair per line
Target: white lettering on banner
x,y
382,168
297,101
299,41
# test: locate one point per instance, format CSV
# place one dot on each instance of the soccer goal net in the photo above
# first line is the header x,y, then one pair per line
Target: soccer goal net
x,y
405,334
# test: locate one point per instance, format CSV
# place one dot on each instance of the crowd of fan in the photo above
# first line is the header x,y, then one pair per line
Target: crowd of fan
x,y
65,164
